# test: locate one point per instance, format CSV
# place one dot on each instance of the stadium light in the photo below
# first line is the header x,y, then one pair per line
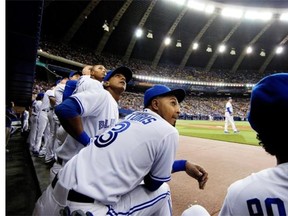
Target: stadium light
x,y
178,44
195,46
150,34
105,26
233,52
279,50
209,48
262,53
167,41
222,48
249,50
139,33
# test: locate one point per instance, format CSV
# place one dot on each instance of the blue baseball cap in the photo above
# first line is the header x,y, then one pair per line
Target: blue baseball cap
x,y
120,70
74,73
40,95
58,81
162,90
269,97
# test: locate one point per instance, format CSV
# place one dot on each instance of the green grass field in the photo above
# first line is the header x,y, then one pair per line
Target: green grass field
x,y
215,130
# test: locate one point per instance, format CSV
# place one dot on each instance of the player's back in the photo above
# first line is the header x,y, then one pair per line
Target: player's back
x,y
262,193
118,160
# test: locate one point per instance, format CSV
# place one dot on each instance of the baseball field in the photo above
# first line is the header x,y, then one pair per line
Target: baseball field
x,y
214,130
226,158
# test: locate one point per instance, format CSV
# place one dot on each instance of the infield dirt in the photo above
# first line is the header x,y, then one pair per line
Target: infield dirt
x,y
225,162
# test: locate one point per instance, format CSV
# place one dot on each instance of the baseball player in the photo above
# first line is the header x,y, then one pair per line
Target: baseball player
x,y
90,112
44,119
229,116
70,84
83,84
124,170
265,192
35,110
61,94
25,120
97,74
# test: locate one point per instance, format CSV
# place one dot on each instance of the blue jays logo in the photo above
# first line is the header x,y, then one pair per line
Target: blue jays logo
x,y
110,136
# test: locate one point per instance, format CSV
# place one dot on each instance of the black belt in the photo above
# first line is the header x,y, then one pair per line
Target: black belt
x,y
59,161
47,110
74,196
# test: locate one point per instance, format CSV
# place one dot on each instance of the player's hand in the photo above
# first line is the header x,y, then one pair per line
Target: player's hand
x,y
197,172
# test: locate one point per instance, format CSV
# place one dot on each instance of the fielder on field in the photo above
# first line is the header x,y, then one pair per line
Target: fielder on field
x,y
229,120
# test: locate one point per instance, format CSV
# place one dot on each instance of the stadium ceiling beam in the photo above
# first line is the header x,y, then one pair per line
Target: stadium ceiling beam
x,y
140,25
78,22
215,54
196,39
169,33
113,24
253,41
271,55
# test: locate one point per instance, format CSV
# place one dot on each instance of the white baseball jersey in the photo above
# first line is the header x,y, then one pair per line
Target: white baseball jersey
x,y
229,117
87,83
44,119
46,101
25,125
117,161
229,107
261,193
59,89
99,112
36,105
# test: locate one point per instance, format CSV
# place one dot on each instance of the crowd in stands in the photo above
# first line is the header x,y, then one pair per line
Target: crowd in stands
x,y
193,107
139,67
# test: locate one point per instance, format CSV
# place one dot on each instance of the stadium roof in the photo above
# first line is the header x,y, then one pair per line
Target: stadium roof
x,y
82,23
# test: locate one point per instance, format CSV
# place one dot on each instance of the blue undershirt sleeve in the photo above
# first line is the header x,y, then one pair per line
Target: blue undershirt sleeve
x,y
68,109
151,184
69,89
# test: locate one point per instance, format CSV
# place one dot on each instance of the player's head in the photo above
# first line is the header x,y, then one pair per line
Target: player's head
x,y
74,75
268,111
120,70
86,70
116,80
98,72
230,99
40,96
164,101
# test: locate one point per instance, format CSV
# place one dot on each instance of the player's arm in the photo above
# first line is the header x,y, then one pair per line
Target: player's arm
x,y
68,113
193,170
229,110
69,89
52,100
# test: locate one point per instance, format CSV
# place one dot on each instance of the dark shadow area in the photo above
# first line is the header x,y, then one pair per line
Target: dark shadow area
x,y
22,187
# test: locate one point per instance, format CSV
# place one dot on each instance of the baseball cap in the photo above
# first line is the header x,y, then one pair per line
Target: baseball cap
x,y
74,73
162,90
269,97
120,70
58,81
40,95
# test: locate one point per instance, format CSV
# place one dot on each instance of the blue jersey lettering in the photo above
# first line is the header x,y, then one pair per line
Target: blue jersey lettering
x,y
143,118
